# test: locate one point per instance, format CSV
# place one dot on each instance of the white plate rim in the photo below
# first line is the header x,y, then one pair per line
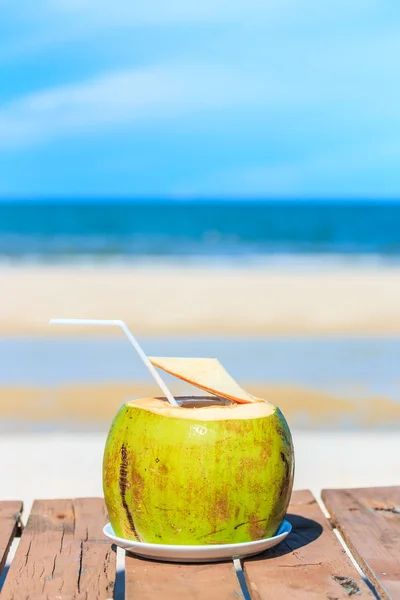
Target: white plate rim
x,y
283,531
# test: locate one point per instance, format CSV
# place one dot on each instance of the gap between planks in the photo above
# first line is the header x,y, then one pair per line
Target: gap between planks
x,y
10,527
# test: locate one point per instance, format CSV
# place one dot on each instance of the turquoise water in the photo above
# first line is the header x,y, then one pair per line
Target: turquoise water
x,y
348,367
51,229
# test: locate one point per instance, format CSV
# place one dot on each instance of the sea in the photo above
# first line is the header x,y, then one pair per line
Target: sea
x,y
104,229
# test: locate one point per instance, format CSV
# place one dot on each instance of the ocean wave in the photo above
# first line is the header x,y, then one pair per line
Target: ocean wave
x,y
62,230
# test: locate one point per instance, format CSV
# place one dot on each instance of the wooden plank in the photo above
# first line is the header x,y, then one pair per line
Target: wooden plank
x,y
311,563
10,524
63,553
369,521
151,580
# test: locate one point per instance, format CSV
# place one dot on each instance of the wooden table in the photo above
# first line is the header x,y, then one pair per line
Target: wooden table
x,y
63,554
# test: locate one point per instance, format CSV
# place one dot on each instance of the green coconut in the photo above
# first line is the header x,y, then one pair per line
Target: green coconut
x,y
210,471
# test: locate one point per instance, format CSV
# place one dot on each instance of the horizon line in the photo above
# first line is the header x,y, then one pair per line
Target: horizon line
x,y
138,199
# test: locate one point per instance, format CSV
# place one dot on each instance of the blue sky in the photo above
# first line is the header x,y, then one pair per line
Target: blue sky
x,y
189,98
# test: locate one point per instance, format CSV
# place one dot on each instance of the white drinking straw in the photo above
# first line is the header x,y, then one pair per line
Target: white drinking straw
x,y
133,341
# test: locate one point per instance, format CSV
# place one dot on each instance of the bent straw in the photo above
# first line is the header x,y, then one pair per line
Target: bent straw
x,y
133,341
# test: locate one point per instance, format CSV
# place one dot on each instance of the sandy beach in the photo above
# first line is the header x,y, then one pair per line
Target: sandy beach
x,y
185,299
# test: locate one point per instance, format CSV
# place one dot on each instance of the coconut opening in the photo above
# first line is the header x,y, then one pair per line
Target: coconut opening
x,y
204,408
203,402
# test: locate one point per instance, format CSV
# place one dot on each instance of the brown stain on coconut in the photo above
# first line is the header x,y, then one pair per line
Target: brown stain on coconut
x,y
123,486
257,528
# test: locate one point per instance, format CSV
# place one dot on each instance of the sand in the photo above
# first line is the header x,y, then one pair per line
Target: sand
x,y
188,299
92,407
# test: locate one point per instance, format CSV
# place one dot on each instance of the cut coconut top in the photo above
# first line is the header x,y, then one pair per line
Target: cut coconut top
x,y
160,406
205,373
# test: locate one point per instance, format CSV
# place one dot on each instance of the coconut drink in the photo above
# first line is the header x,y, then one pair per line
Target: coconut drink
x,y
210,470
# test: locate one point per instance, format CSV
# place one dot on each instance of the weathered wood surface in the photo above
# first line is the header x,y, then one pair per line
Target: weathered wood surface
x,y
149,580
10,523
309,564
369,521
63,554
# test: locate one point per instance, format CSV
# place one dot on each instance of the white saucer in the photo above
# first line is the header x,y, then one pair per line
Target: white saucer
x,y
198,554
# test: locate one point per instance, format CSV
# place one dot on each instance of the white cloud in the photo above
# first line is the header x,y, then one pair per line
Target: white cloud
x,y
140,96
